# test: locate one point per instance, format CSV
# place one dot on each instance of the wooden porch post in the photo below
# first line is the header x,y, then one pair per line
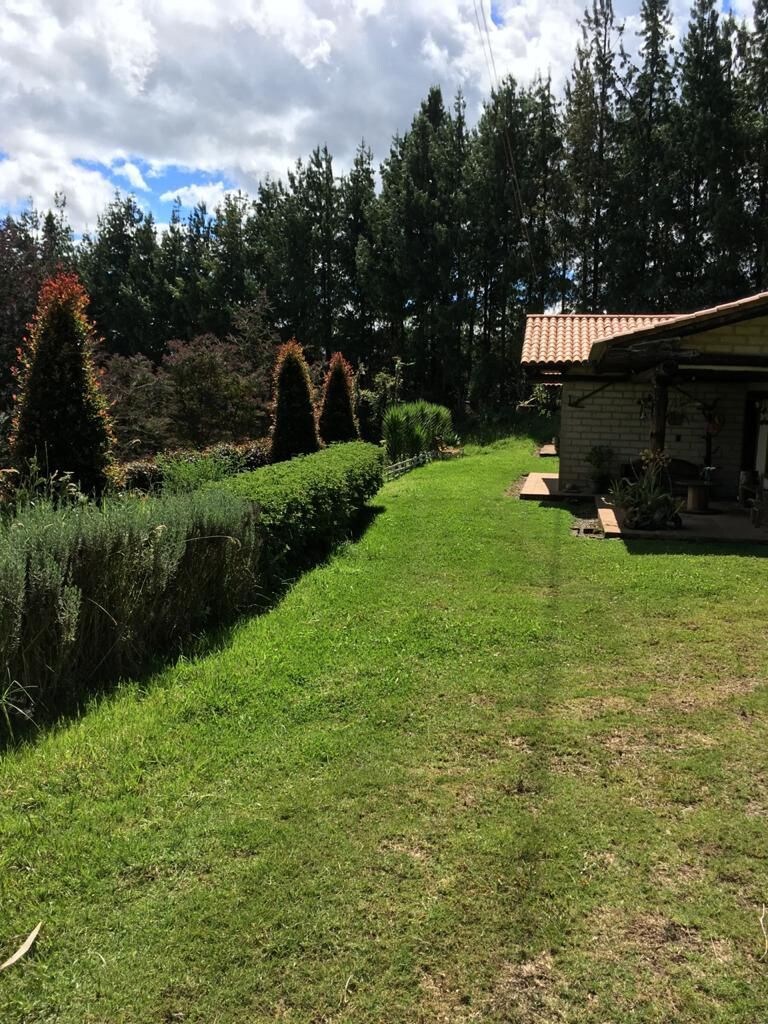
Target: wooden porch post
x,y
660,403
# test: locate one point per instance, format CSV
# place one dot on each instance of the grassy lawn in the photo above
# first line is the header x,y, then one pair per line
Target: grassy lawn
x,y
473,769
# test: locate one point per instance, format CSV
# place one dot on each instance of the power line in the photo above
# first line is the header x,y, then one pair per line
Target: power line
x,y
490,61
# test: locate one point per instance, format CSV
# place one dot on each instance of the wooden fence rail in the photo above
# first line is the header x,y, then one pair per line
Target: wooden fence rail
x,y
397,469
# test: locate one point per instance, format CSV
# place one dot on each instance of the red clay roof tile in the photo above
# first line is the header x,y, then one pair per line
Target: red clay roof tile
x,y
560,338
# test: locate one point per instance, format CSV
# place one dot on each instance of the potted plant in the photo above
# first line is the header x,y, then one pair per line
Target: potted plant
x,y
646,503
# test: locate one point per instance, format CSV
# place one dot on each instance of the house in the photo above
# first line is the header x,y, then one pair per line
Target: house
x,y
695,384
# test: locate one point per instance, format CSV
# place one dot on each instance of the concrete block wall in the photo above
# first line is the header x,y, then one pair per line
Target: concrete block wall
x,y
745,339
612,418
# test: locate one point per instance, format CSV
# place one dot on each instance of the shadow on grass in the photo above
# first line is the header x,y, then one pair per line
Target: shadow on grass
x,y
580,506
693,546
545,681
216,637
482,432
583,508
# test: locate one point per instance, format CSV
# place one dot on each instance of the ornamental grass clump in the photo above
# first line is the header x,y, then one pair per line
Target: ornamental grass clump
x,y
60,420
415,427
294,431
337,420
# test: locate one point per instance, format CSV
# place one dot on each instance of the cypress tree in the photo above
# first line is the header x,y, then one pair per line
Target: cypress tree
x,y
294,431
337,415
60,416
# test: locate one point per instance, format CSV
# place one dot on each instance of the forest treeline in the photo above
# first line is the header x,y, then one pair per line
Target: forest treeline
x,y
644,187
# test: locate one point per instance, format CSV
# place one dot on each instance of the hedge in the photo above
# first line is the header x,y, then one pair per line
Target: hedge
x,y
188,469
309,504
91,593
94,592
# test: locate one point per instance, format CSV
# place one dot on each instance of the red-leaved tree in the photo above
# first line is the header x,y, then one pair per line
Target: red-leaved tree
x,y
294,431
337,420
60,416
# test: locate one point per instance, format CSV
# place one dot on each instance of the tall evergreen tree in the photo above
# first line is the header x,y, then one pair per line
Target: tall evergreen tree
x,y
119,266
337,420
294,431
640,247
60,417
591,101
712,221
755,99
357,313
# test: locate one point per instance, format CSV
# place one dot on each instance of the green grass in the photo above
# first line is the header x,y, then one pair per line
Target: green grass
x,y
473,769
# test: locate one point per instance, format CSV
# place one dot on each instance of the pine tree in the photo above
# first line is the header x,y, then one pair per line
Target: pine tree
x,y
756,117
60,417
591,131
355,245
337,420
640,247
118,265
294,431
713,225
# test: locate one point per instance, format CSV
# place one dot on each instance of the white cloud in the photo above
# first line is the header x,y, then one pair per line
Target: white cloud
x,y
37,179
132,175
190,195
239,89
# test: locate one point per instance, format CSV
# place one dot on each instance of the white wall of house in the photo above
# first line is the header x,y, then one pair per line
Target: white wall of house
x,y
612,418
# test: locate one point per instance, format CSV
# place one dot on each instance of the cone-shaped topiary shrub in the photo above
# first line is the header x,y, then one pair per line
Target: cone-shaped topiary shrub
x,y
60,416
294,431
337,414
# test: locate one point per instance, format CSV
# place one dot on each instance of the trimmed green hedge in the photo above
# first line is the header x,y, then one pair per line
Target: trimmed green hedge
x,y
92,593
309,504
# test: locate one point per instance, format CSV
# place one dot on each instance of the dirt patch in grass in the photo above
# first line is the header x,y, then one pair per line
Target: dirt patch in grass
x,y
631,745
678,876
575,764
513,491
649,938
405,847
586,709
528,993
518,744
693,694
443,1003
523,993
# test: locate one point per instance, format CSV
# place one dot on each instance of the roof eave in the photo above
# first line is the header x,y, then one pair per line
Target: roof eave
x,y
685,325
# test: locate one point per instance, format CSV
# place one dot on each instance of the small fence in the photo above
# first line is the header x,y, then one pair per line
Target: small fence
x,y
397,469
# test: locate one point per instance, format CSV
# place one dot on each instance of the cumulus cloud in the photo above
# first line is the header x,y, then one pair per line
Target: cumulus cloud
x,y
132,175
239,90
190,195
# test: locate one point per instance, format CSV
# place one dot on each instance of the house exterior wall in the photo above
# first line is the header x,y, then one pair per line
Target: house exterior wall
x,y
612,418
744,339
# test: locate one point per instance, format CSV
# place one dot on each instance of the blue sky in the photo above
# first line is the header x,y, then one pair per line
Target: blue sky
x,y
195,97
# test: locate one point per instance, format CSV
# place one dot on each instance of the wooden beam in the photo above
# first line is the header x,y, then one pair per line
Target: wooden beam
x,y
660,404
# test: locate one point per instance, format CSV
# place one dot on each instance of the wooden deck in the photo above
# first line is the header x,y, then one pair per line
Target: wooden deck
x,y
548,451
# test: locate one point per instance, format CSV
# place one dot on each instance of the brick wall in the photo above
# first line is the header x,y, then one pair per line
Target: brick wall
x,y
612,418
747,338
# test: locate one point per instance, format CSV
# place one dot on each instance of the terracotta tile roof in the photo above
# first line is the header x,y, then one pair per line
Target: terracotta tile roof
x,y
691,323
557,339
560,338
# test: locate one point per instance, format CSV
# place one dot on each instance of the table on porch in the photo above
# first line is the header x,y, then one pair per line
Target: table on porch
x,y
698,494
